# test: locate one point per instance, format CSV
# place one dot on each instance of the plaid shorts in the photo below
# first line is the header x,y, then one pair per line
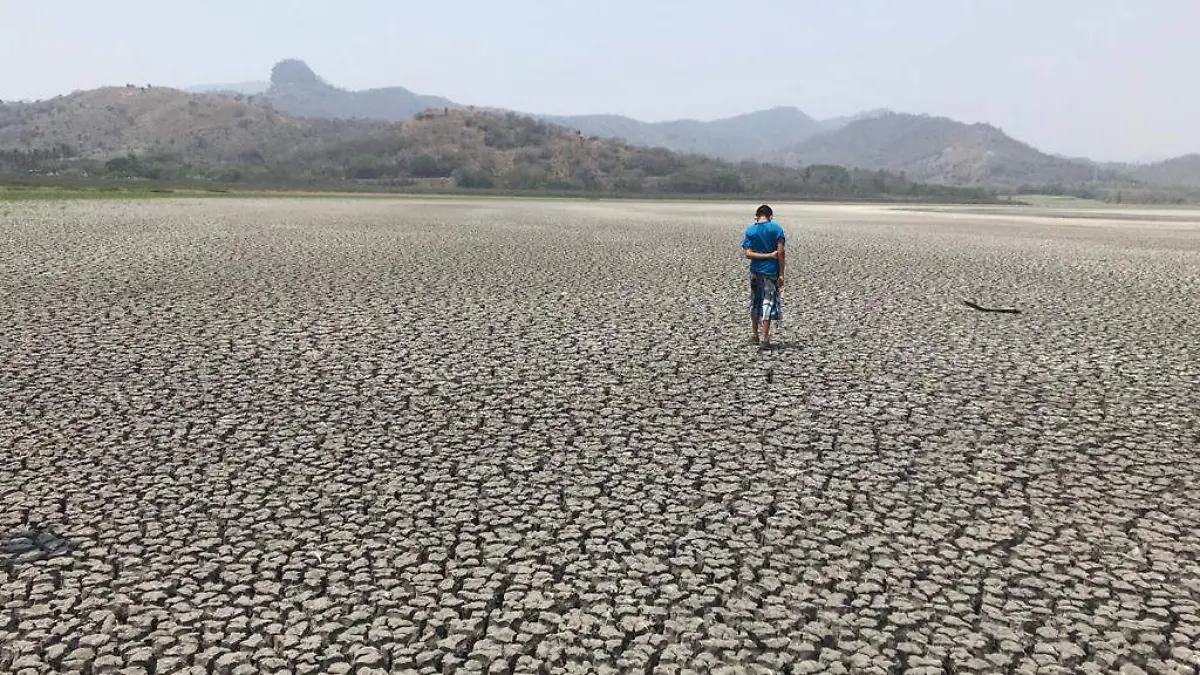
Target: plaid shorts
x,y
765,301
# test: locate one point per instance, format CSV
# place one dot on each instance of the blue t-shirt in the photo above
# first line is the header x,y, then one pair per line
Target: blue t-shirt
x,y
764,238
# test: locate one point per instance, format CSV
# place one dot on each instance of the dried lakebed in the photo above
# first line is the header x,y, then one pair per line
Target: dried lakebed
x,y
385,436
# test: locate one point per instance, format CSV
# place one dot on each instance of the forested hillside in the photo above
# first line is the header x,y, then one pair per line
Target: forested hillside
x,y
163,134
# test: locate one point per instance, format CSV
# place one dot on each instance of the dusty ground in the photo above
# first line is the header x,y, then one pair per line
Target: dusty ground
x,y
452,437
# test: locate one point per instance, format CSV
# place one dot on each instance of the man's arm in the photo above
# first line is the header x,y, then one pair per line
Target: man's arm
x,y
780,255
753,255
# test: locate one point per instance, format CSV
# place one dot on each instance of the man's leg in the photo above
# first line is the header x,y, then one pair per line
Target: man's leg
x,y
755,307
767,307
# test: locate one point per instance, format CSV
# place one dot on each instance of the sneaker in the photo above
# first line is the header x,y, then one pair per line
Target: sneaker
x,y
754,339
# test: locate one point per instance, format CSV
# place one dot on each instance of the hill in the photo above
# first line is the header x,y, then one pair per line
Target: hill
x,y
934,149
164,134
748,136
298,91
113,122
939,150
1177,172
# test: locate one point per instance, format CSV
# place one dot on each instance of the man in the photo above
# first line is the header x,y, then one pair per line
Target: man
x,y
763,246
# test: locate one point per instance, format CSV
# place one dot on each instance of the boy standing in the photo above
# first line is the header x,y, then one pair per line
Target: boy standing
x,y
763,245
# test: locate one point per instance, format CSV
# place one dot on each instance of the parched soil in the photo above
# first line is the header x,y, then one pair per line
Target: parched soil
x,y
386,436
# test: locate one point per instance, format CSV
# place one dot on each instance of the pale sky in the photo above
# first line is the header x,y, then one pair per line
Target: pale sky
x,y
1108,79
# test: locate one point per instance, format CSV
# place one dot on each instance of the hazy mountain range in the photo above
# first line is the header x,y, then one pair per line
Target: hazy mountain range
x,y
295,89
920,147
169,135
927,148
941,150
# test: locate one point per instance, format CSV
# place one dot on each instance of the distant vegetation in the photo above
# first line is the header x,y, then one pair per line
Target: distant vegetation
x,y
300,130
1178,171
296,90
171,136
924,148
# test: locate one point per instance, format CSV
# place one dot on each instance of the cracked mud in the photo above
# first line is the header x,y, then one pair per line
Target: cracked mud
x,y
277,436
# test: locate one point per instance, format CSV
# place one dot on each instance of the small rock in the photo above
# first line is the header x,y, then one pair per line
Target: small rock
x,y
28,661
107,662
81,654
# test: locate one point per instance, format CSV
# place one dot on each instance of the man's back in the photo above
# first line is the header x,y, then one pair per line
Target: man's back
x,y
764,238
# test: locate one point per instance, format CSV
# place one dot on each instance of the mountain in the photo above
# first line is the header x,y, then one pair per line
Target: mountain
x,y
935,149
166,134
939,150
204,132
1177,172
296,90
737,138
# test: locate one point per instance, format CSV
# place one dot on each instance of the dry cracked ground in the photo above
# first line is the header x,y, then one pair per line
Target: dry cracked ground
x,y
323,436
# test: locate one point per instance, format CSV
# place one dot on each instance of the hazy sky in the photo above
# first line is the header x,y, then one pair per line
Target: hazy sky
x,y
1110,79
